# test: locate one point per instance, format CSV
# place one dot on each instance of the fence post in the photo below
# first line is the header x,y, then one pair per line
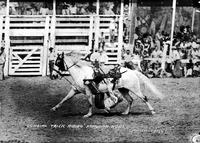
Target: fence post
x,y
91,31
1,28
7,45
120,38
45,49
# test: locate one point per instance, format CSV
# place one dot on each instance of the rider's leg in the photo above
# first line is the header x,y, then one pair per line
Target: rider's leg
x,y
113,99
111,92
89,95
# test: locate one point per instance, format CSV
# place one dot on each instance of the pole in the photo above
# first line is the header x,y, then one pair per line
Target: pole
x,y
193,18
7,39
53,26
171,40
132,23
120,39
54,7
97,22
172,27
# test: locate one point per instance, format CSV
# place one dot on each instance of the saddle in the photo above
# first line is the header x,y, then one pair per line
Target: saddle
x,y
99,76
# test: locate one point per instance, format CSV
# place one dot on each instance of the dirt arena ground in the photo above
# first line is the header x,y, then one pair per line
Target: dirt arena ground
x,y
25,114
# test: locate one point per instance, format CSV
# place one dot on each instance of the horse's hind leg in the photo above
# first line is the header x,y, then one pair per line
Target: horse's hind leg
x,y
125,93
145,100
71,93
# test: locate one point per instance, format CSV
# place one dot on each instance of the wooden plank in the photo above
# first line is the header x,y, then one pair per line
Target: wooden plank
x,y
71,40
73,19
26,47
26,32
31,65
31,58
25,59
120,34
28,69
26,41
7,43
90,38
73,25
72,32
27,25
27,62
71,47
1,27
45,48
25,19
24,73
27,52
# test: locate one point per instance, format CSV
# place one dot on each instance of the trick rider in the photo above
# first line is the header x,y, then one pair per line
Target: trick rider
x,y
98,59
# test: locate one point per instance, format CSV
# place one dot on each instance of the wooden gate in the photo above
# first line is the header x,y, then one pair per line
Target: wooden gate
x,y
26,60
28,45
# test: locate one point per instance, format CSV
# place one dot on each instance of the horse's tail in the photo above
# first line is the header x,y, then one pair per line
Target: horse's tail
x,y
149,84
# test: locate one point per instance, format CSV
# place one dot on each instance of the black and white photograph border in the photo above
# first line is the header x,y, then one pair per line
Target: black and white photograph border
x,y
100,71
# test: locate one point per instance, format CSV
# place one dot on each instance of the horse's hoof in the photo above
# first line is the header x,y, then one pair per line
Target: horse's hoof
x,y
125,113
153,112
87,115
106,110
53,109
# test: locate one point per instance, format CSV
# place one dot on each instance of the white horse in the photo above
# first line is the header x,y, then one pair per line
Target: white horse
x,y
129,81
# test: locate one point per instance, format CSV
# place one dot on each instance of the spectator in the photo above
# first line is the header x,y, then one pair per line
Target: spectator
x,y
28,11
136,62
158,38
195,53
112,31
2,63
3,9
12,11
50,10
44,10
138,22
82,11
156,53
103,58
108,10
128,60
101,41
196,70
66,10
52,58
177,68
73,9
189,68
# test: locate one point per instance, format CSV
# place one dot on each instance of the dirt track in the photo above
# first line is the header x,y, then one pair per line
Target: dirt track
x,y
26,114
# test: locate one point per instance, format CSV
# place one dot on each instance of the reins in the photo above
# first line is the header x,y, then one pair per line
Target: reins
x,y
62,76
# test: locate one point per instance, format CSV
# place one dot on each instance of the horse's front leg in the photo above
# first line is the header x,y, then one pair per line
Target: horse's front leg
x,y
89,95
71,93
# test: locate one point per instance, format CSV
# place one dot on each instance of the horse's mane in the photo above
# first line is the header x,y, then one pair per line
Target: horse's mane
x,y
76,59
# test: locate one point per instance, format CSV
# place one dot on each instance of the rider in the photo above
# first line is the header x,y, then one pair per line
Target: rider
x,y
98,59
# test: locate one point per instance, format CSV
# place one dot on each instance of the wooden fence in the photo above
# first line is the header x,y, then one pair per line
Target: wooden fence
x,y
27,39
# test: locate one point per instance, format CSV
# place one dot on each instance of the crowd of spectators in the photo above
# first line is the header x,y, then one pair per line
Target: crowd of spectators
x,y
42,8
184,59
62,8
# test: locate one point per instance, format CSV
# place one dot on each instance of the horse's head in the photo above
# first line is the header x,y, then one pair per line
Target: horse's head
x,y
60,62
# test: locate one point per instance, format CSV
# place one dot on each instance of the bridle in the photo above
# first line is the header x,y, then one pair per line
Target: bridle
x,y
67,68
74,64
